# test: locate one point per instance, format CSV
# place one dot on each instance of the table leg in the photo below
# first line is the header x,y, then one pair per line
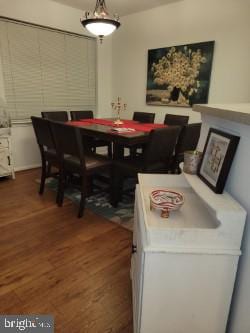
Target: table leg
x,y
118,151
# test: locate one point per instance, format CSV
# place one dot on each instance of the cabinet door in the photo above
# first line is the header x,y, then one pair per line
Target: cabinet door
x,y
4,143
137,267
5,168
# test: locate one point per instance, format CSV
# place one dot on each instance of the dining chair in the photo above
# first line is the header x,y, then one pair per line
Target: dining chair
x,y
77,115
144,117
156,158
55,115
188,140
73,161
175,120
92,142
47,148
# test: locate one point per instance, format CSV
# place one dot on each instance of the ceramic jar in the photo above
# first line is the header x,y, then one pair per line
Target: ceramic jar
x,y
192,160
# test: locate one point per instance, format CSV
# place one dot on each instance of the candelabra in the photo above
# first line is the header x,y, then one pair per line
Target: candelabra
x,y
118,107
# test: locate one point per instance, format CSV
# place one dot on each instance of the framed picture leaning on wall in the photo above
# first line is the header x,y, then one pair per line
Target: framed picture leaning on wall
x,y
217,158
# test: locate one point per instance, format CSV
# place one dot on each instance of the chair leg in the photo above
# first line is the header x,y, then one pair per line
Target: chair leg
x,y
132,152
49,169
83,197
116,188
110,150
60,189
89,185
43,178
82,205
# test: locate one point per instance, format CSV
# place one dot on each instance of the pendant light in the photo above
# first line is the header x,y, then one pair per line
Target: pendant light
x,y
100,23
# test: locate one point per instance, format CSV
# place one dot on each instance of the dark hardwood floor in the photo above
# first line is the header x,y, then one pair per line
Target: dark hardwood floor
x,y
51,262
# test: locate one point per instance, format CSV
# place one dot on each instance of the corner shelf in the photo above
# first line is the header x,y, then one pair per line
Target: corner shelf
x,y
185,265
207,221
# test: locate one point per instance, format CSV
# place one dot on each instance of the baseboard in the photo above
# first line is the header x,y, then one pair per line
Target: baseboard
x,y
27,167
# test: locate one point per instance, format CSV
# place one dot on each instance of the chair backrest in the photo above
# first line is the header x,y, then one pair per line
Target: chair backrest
x,y
77,115
55,115
144,117
175,120
188,138
43,132
160,148
67,139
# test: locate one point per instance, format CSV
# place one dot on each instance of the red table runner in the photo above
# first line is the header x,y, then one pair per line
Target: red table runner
x,y
130,124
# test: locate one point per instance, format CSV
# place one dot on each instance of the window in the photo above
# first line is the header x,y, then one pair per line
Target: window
x,y
45,69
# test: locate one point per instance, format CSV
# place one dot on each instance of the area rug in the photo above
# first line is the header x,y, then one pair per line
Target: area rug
x,y
99,203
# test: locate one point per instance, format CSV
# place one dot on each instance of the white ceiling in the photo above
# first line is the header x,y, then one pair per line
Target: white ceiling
x,y
121,7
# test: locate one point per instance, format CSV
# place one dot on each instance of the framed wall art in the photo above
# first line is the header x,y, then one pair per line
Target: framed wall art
x,y
179,75
217,158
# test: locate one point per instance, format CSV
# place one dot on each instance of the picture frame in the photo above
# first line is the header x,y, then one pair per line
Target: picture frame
x,y
179,75
217,158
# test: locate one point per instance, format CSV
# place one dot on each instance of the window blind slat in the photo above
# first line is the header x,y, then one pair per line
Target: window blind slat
x,y
46,70
77,71
6,69
52,52
25,69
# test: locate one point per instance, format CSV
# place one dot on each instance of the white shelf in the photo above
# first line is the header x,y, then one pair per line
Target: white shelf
x,y
223,204
185,264
239,113
206,222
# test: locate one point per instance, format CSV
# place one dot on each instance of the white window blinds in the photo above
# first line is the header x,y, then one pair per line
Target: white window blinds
x,y
44,69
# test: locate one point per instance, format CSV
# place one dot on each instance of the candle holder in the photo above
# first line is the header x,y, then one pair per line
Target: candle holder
x,y
118,107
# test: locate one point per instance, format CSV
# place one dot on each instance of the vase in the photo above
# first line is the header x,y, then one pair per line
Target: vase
x,y
175,94
192,159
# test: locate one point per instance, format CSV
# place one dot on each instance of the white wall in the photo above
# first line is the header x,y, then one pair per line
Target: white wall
x,y
187,21
104,83
238,185
24,147
58,16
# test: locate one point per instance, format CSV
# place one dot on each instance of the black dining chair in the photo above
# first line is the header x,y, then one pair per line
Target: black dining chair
x,y
73,161
188,140
78,115
144,117
47,149
55,115
175,120
156,158
92,142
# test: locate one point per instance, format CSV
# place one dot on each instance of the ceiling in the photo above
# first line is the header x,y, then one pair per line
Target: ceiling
x,y
121,7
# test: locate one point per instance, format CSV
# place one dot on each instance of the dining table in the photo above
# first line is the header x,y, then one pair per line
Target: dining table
x,y
129,133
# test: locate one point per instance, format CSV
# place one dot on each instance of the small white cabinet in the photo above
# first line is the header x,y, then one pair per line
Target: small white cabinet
x,y
6,162
183,268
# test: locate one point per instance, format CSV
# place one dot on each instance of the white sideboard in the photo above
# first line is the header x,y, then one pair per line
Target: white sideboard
x,y
6,161
183,268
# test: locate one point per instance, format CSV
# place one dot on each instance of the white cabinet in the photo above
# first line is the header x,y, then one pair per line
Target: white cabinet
x,y
6,162
183,268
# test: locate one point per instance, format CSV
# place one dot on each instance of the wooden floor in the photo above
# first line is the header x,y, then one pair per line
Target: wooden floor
x,y
51,262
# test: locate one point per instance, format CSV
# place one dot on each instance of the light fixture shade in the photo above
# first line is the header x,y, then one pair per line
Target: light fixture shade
x,y
100,24
100,27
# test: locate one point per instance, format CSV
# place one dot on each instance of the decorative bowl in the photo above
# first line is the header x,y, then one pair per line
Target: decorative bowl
x,y
166,200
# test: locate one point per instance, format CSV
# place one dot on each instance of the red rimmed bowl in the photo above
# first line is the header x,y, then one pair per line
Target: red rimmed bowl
x,y
166,201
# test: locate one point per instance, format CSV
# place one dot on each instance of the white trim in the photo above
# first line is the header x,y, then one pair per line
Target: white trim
x,y
239,113
27,167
